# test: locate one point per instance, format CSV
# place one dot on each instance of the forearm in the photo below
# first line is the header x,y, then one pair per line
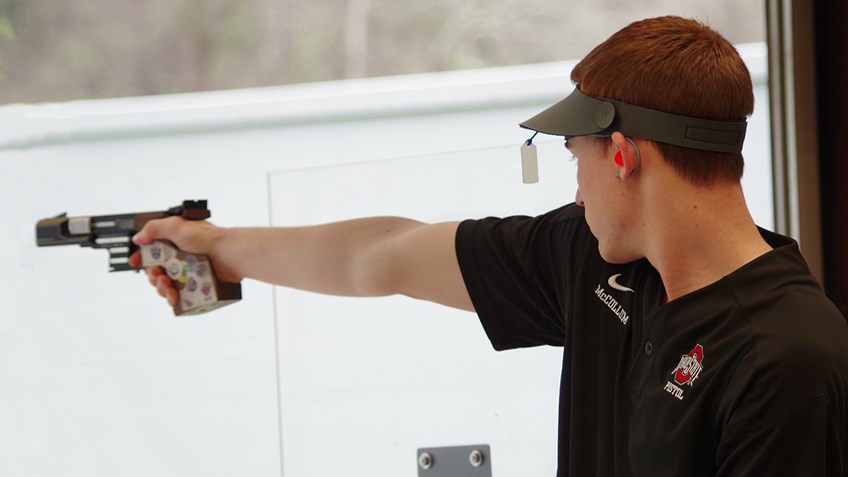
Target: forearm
x,y
348,258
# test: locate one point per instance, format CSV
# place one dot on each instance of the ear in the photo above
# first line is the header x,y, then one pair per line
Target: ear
x,y
625,156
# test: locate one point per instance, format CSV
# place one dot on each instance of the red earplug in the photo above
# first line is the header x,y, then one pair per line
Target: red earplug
x,y
619,161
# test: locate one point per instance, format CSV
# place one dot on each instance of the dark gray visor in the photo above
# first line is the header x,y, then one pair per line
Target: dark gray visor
x,y
581,115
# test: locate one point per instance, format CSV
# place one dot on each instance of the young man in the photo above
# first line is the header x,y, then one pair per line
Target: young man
x,y
694,343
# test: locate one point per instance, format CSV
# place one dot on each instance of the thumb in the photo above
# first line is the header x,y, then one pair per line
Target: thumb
x,y
154,230
151,231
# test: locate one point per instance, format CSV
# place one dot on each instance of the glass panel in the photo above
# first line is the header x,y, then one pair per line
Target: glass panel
x,y
365,382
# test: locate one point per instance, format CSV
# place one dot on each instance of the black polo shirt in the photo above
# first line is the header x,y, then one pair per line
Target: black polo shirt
x,y
747,376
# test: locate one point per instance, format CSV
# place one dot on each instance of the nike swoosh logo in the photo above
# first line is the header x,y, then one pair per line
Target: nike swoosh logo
x,y
613,282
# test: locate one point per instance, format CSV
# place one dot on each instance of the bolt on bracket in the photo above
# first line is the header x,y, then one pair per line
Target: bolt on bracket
x,y
456,461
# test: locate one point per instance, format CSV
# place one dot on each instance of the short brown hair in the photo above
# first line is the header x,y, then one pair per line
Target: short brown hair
x,y
679,66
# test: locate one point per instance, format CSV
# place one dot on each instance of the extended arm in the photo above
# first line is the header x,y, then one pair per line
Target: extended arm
x,y
365,257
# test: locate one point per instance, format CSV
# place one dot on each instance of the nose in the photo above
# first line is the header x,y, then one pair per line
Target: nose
x,y
579,199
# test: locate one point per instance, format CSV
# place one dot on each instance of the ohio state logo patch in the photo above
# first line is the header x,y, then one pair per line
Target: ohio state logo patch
x,y
687,371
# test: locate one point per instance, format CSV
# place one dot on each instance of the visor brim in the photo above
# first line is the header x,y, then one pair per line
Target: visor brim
x,y
582,115
576,115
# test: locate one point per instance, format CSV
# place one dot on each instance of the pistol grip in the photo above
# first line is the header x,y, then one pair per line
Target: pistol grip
x,y
199,289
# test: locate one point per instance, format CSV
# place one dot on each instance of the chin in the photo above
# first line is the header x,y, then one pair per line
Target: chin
x,y
616,257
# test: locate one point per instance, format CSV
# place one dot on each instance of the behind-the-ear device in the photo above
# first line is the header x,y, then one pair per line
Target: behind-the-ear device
x,y
638,156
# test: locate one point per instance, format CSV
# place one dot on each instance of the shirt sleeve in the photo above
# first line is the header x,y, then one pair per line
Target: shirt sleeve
x,y
805,441
517,271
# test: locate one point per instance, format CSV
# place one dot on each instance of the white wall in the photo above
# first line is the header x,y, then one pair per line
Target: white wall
x,y
100,380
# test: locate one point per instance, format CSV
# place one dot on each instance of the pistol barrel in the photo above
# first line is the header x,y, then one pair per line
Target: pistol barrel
x,y
64,230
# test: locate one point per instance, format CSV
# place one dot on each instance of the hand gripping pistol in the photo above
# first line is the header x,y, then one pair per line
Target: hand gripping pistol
x,y
199,289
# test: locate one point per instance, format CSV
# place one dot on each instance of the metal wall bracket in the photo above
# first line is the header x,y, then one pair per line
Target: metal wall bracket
x,y
457,461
